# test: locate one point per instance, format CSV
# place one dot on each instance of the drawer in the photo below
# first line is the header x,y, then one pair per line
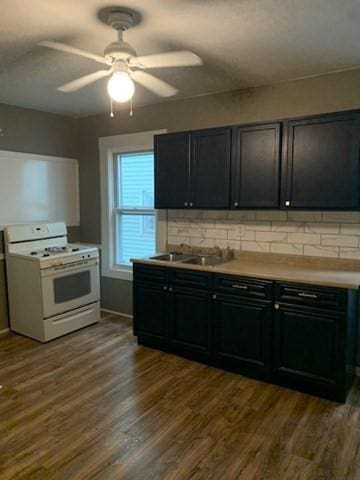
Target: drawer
x,y
149,273
190,278
311,295
244,286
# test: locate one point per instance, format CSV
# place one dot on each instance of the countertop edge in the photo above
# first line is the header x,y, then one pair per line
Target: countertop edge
x,y
240,273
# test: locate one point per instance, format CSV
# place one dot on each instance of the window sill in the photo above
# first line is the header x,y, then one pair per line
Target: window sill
x,y
125,273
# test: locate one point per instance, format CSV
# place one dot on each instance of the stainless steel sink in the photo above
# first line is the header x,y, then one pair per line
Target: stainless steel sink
x,y
171,257
209,261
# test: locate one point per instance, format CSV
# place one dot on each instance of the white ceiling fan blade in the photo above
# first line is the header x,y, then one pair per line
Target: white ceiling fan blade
x,y
62,47
83,81
181,58
154,84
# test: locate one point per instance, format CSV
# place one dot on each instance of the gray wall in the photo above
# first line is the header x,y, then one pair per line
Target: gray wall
x,y
323,94
30,131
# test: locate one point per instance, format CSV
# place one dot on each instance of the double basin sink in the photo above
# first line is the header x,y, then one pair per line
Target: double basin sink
x,y
177,257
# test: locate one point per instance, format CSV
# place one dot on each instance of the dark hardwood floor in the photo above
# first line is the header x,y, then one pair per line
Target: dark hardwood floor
x,y
94,405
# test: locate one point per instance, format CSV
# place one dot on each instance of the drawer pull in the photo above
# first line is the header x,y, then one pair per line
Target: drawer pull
x,y
165,288
307,295
241,287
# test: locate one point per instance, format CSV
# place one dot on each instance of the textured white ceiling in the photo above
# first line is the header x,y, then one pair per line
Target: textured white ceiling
x,y
243,43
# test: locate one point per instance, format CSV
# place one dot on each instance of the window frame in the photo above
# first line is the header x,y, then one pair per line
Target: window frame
x,y
109,148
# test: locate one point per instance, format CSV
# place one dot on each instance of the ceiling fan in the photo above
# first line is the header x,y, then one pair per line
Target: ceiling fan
x,y
125,66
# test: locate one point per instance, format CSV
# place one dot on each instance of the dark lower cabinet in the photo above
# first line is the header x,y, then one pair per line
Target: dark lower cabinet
x,y
242,333
309,350
190,322
151,307
300,336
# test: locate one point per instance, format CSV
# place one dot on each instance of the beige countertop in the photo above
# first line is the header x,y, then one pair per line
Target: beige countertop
x,y
310,270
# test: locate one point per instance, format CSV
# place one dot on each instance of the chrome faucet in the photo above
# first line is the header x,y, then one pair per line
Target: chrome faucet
x,y
185,245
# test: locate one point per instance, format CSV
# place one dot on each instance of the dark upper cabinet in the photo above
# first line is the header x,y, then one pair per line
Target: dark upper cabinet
x,y
210,168
321,162
190,321
242,167
255,171
242,332
172,170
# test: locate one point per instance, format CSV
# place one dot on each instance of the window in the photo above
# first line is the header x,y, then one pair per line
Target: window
x,y
130,226
134,206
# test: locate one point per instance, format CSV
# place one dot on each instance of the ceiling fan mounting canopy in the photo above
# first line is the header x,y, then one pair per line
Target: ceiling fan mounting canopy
x,y
119,18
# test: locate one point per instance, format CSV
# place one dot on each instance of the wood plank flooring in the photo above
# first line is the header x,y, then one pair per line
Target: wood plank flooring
x,y
94,405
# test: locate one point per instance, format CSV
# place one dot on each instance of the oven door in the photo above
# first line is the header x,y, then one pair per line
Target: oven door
x,y
70,286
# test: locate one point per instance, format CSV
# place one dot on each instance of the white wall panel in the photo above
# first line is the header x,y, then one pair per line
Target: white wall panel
x,y
36,188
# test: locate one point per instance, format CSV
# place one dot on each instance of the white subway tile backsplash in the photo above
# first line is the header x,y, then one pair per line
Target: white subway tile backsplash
x,y
234,244
304,238
340,240
341,217
350,228
324,234
202,242
287,248
241,215
350,253
271,215
270,237
321,251
287,226
216,233
256,246
304,216
257,226
242,234
322,227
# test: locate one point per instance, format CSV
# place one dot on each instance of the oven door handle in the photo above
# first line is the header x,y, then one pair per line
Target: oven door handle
x,y
70,267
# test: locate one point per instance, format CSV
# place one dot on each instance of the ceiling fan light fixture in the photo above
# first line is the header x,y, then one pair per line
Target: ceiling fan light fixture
x,y
120,87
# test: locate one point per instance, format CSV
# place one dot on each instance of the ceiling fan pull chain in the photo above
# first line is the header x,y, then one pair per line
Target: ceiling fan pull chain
x,y
131,107
111,108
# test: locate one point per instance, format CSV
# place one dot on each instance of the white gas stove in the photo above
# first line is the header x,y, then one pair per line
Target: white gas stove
x,y
53,285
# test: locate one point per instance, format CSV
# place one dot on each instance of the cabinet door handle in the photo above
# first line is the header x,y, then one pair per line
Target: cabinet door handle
x,y
307,295
214,296
191,204
170,289
165,288
236,204
186,204
241,287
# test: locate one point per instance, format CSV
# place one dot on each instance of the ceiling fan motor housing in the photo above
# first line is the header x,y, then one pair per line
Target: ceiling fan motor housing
x,y
119,50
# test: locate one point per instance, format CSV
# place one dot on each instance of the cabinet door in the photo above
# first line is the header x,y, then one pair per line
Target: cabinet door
x,y
210,168
190,322
322,162
242,333
307,346
172,170
151,312
255,181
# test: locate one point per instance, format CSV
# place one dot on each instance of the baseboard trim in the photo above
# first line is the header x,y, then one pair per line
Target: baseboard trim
x,y
114,312
5,330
